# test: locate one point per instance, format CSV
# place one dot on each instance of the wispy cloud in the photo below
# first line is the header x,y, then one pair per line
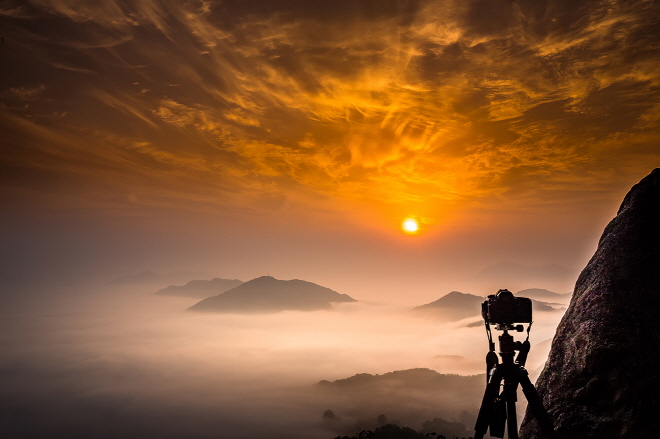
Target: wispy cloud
x,y
404,103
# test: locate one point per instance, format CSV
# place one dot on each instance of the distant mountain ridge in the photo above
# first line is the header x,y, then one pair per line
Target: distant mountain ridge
x,y
456,306
544,295
412,396
410,378
453,306
455,299
200,289
266,294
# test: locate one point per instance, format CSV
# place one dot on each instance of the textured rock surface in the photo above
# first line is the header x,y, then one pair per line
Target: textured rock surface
x,y
602,378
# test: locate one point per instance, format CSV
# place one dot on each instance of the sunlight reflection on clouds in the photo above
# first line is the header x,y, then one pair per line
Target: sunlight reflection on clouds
x,y
408,106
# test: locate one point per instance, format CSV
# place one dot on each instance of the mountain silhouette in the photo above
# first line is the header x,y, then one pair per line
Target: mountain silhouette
x,y
412,396
198,289
456,306
409,378
544,295
601,378
453,306
267,294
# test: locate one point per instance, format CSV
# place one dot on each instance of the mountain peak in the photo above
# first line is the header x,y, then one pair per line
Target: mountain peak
x,y
456,305
453,306
267,294
200,288
454,298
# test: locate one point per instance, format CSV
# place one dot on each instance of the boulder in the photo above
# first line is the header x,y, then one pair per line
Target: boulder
x,y
602,377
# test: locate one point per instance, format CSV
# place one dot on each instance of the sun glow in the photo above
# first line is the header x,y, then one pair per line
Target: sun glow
x,y
410,225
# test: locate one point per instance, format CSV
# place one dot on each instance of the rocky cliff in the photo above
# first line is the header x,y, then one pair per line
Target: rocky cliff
x,y
602,377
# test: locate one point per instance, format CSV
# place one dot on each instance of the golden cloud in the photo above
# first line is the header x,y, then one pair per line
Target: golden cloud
x,y
436,104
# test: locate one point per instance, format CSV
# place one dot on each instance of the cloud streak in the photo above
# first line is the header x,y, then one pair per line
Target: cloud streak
x,y
409,105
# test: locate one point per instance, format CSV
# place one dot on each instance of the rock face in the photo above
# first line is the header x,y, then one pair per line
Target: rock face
x,y
602,377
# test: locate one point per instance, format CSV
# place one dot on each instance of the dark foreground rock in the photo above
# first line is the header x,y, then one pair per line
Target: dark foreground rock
x,y
602,378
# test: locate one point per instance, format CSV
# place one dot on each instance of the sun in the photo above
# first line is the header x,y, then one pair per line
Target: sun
x,y
410,226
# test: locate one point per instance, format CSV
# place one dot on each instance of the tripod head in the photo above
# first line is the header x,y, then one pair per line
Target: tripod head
x,y
503,310
509,327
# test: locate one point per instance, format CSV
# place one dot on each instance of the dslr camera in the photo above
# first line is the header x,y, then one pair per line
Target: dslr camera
x,y
504,308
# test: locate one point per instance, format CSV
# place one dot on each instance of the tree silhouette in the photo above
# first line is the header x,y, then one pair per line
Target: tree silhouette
x,y
389,431
329,415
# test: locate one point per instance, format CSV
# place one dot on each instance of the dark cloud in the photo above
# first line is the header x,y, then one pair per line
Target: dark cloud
x,y
337,12
485,18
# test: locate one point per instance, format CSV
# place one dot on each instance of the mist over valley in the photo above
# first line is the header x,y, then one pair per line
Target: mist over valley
x,y
116,359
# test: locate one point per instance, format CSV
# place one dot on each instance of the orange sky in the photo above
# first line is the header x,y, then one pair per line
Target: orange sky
x,y
297,136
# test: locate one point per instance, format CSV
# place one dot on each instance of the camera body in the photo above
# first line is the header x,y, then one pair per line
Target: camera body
x,y
504,308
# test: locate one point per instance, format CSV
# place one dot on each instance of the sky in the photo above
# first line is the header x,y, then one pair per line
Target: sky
x,y
291,138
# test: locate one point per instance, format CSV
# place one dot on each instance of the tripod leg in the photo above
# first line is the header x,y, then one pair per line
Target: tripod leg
x,y
510,390
511,418
488,402
536,405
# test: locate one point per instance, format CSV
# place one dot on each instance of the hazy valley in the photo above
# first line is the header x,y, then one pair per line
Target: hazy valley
x,y
119,357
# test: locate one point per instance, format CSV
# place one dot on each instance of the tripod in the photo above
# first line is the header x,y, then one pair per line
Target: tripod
x,y
498,409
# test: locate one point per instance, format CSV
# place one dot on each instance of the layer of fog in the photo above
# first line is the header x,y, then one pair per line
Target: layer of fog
x,y
116,361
